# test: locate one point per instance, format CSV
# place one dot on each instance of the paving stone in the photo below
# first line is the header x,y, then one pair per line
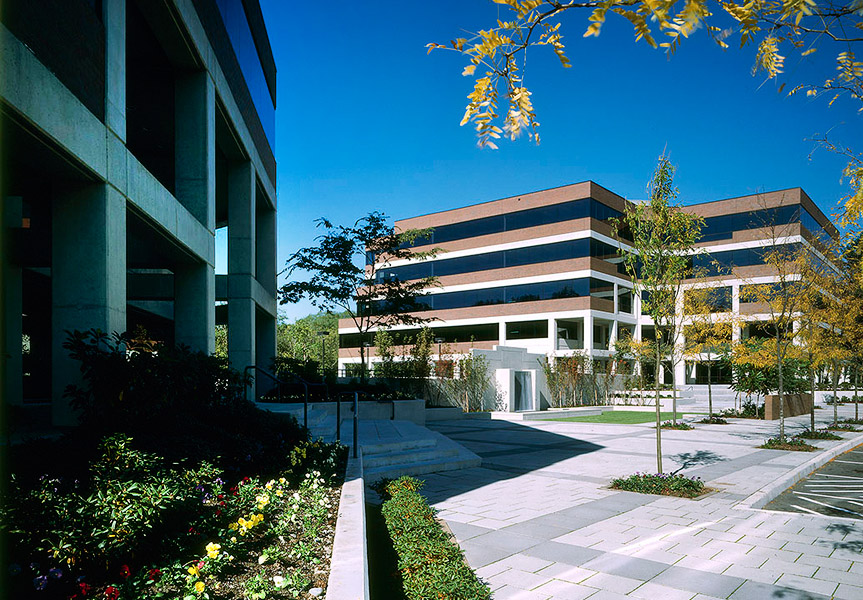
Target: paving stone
x,y
491,570
566,572
564,553
524,562
752,590
513,593
517,578
627,566
612,583
654,591
808,584
808,549
465,531
847,591
533,528
703,564
564,590
760,575
774,564
608,595
833,564
698,581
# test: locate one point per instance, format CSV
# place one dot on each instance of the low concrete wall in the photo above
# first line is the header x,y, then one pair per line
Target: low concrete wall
x,y
795,404
444,414
349,566
405,410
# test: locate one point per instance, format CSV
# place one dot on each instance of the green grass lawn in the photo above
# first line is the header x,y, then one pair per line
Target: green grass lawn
x,y
621,417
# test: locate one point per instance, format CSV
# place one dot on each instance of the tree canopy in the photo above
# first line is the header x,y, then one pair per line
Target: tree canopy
x,y
344,273
776,29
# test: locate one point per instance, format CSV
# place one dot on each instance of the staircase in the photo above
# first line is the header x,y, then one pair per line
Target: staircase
x,y
389,448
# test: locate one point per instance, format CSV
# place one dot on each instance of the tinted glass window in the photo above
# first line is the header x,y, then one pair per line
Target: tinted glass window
x,y
524,330
542,215
723,226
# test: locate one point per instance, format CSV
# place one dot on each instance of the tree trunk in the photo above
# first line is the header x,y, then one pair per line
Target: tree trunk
x,y
781,394
362,359
709,389
835,393
812,387
658,415
856,399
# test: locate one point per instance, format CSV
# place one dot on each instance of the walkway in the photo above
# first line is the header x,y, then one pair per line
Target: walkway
x,y
538,521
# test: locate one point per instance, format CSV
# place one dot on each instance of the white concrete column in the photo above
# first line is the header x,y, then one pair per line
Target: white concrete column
x,y
114,18
616,291
241,265
11,287
588,334
501,333
88,276
552,336
195,146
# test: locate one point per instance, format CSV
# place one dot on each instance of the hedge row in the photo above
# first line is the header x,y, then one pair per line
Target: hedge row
x,y
431,565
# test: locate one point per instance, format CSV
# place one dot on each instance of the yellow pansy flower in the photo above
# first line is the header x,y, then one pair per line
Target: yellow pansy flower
x,y
199,587
213,550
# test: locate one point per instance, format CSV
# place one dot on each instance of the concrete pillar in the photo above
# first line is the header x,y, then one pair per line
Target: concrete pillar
x,y
195,146
195,188
195,306
88,276
616,291
552,336
735,311
501,333
11,288
241,265
265,249
588,334
265,339
114,18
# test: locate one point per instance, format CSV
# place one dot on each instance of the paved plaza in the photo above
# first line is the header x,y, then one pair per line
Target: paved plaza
x,y
538,520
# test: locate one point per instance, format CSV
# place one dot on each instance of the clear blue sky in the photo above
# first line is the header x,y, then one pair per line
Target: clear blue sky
x,y
366,120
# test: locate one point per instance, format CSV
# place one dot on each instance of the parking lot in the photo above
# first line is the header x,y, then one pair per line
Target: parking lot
x,y
836,489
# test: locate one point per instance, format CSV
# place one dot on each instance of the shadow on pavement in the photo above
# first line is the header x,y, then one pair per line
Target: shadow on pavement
x,y
508,449
701,458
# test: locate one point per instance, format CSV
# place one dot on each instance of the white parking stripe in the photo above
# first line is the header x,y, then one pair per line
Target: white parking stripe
x,y
829,505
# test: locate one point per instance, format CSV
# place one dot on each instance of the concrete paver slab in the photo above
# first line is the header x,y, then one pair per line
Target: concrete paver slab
x,y
542,491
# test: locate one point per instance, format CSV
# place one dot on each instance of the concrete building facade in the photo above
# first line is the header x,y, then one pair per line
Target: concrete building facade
x,y
543,271
131,132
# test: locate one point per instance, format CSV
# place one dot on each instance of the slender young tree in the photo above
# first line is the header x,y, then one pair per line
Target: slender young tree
x,y
662,236
337,279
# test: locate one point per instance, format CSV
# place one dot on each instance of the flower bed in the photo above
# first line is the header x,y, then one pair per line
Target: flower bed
x,y
818,434
794,444
665,484
714,420
139,526
432,566
843,426
680,425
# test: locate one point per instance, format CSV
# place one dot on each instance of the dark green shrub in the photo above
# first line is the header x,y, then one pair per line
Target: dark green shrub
x,y
432,565
714,420
666,484
818,434
792,443
157,393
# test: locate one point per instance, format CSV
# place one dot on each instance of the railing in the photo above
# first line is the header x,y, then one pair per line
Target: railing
x,y
279,383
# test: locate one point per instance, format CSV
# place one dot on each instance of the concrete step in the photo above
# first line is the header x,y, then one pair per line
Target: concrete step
x,y
410,457
450,456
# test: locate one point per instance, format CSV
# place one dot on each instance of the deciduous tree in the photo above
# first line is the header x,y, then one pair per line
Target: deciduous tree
x,y
497,56
662,235
336,279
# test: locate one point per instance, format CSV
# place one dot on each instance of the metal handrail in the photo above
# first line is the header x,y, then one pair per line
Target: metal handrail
x,y
280,383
